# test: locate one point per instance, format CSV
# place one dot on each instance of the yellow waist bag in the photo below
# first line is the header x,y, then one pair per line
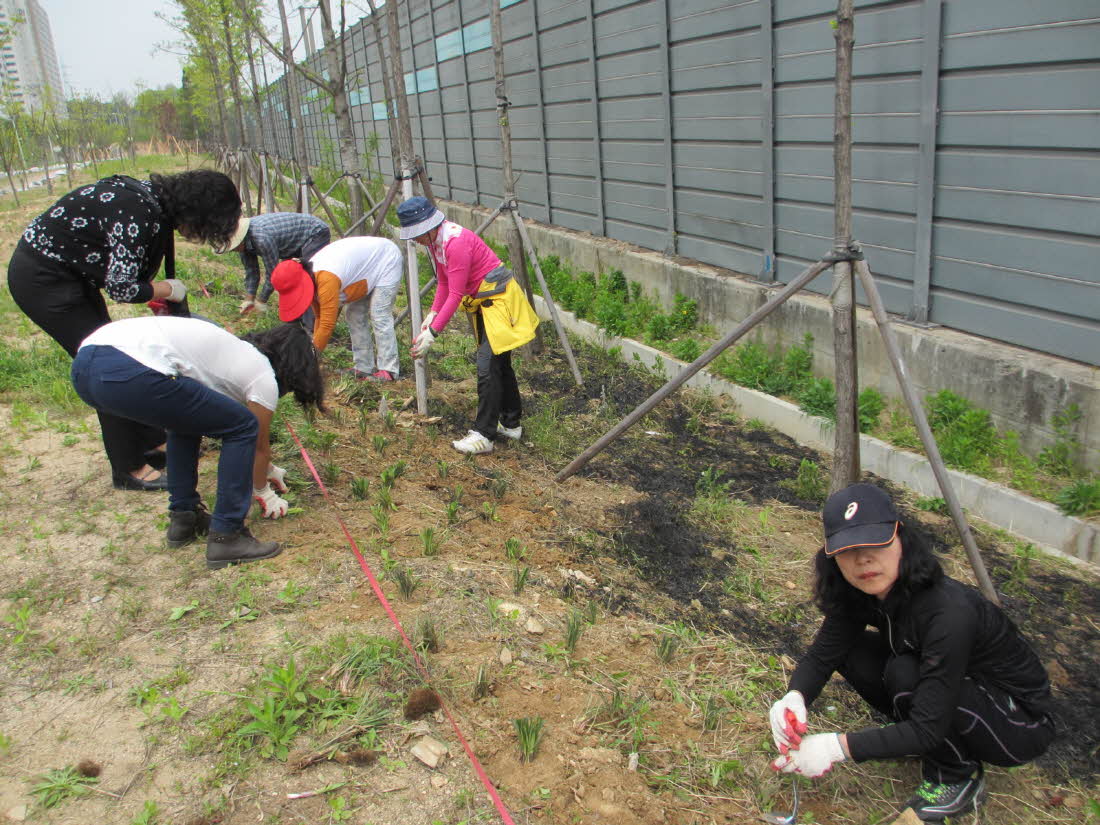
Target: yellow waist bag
x,y
509,319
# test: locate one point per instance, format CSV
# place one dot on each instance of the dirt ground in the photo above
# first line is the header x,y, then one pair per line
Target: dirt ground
x,y
691,592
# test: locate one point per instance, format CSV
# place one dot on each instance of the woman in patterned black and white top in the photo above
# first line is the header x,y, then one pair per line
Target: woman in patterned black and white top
x,y
113,235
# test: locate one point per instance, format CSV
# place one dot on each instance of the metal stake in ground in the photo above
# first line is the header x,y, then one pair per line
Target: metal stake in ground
x,y
687,372
939,469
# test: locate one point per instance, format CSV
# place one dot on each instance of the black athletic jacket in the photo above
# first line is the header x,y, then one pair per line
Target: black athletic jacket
x,y
954,632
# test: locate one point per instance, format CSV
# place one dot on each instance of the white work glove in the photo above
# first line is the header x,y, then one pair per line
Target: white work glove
x,y
259,307
179,290
427,321
276,477
270,503
247,305
788,719
422,343
814,757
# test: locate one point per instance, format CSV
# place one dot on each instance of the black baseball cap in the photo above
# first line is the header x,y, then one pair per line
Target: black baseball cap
x,y
860,515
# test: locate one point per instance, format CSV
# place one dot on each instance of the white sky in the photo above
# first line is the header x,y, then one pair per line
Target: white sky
x,y
108,46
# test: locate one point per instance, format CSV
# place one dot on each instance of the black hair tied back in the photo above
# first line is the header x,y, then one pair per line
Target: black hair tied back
x,y
289,348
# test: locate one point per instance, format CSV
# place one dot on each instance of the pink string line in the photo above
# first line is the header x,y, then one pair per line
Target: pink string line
x,y
492,791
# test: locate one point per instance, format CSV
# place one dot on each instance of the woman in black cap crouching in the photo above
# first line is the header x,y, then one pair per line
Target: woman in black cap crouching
x,y
951,670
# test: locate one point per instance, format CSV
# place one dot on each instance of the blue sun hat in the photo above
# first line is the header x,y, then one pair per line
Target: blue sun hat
x,y
417,216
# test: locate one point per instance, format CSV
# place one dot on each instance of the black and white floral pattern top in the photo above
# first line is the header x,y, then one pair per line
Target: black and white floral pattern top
x,y
112,233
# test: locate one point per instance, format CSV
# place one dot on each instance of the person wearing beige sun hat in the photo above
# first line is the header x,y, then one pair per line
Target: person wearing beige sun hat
x,y
958,683
272,237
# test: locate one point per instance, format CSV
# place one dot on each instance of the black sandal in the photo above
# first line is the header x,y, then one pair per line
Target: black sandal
x,y
125,481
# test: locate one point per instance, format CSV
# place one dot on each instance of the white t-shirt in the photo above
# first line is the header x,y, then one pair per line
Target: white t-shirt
x,y
194,349
360,258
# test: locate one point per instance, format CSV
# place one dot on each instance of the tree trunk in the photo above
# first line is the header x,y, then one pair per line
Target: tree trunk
x,y
387,88
404,127
294,115
336,58
846,463
508,181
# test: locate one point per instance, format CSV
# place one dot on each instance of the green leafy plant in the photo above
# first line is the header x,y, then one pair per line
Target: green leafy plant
x,y
406,580
457,493
57,785
574,629
667,645
1060,458
481,683
274,725
429,541
150,814
390,474
818,397
686,349
810,484
514,550
451,509
870,404
330,472
379,442
489,511
442,468
381,514
529,734
1079,498
429,636
360,488
498,487
384,497
519,578
932,504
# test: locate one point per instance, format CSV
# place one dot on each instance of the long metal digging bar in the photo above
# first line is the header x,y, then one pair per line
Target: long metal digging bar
x,y
785,819
692,368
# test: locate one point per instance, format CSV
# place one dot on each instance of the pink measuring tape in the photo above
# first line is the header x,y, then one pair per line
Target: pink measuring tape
x,y
480,771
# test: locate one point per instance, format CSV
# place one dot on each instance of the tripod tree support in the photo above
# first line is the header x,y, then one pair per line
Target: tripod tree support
x,y
695,366
889,339
534,259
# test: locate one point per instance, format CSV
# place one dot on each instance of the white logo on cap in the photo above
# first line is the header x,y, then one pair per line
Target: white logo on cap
x,y
851,511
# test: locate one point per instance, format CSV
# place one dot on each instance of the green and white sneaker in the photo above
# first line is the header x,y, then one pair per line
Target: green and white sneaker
x,y
935,801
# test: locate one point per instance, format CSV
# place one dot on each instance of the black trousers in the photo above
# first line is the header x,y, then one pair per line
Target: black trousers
x,y
69,309
497,390
987,725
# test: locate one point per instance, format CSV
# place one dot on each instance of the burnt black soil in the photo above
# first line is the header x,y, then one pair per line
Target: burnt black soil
x,y
1055,611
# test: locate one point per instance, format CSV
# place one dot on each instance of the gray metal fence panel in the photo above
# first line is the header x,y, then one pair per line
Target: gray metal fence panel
x,y
976,188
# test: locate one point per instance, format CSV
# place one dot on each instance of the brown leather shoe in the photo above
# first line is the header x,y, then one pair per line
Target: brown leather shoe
x,y
225,549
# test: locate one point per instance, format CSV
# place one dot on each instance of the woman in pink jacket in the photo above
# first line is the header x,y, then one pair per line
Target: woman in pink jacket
x,y
470,275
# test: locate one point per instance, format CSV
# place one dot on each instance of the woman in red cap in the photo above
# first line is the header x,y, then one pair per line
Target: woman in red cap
x,y
950,670
469,274
363,272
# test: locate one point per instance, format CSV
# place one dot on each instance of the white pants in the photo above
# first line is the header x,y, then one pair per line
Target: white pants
x,y
374,312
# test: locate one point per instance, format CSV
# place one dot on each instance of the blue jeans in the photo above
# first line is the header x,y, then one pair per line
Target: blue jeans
x,y
112,381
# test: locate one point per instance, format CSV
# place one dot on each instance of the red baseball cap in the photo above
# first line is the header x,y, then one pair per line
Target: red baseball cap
x,y
295,288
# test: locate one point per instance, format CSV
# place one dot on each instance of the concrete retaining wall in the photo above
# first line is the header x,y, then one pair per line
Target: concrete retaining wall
x,y
1036,521
1022,389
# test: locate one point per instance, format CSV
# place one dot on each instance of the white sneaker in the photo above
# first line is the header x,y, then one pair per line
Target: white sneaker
x,y
514,433
473,444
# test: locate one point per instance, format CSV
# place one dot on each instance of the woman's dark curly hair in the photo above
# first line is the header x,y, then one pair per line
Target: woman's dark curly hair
x,y
203,205
919,569
289,348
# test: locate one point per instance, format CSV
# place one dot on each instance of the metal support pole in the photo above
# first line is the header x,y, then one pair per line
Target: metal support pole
x,y
380,218
889,339
687,372
529,249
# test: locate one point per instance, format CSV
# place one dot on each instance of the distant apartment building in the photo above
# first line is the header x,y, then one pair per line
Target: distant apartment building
x,y
30,70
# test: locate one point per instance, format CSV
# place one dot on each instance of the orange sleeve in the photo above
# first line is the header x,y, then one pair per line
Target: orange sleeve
x,y
327,308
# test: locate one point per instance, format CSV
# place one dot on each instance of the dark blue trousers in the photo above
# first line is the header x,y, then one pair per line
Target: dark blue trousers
x,y
113,382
